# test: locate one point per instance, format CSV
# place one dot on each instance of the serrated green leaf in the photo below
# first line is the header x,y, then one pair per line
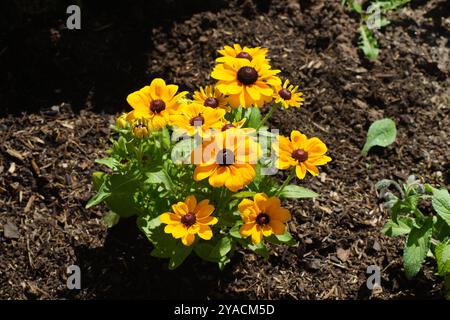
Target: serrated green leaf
x,y
296,192
260,249
441,203
402,227
367,43
234,231
213,252
442,253
160,176
253,116
416,248
109,162
381,133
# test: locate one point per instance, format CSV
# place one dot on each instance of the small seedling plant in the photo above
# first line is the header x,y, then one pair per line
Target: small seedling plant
x,y
373,15
427,231
198,170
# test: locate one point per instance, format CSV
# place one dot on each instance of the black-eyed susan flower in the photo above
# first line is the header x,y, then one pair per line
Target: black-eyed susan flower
x,y
210,97
196,118
139,128
300,152
262,217
236,51
228,159
288,96
155,103
246,83
188,219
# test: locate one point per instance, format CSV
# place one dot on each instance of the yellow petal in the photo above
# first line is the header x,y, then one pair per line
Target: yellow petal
x,y
261,201
191,203
247,229
202,172
300,171
188,239
266,230
208,220
180,208
257,235
205,232
169,218
277,227
179,230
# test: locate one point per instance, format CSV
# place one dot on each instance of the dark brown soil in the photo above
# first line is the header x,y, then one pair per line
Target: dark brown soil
x,y
46,159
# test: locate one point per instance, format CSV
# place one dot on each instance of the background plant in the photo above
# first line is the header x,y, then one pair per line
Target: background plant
x,y
373,14
427,230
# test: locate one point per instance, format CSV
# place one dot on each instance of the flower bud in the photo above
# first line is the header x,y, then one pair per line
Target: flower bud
x,y
121,121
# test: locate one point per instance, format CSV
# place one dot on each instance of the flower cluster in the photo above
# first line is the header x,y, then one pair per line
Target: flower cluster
x,y
218,197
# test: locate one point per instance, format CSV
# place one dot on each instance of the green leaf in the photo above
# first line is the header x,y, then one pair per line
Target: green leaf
x,y
234,231
111,219
296,192
416,249
160,177
381,133
442,254
402,227
182,151
102,193
98,178
260,249
367,43
254,117
165,137
285,238
109,162
244,194
213,252
441,203
179,254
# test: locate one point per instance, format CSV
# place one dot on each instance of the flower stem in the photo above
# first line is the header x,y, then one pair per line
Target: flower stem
x,y
286,182
267,116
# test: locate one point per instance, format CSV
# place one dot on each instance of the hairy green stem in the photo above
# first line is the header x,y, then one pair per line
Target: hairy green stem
x,y
267,116
286,182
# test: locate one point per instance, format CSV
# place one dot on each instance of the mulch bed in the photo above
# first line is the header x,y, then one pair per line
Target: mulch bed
x,y
46,162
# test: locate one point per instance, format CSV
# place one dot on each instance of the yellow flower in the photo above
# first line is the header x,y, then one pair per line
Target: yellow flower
x,y
139,128
194,117
228,159
188,219
263,216
210,97
300,152
288,96
245,82
236,51
237,124
155,103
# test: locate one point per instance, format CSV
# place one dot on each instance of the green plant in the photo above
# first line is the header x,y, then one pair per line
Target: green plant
x,y
427,230
381,133
373,17
214,191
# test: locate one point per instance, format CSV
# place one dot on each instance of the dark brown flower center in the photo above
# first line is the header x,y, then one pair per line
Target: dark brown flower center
x,y
197,121
211,102
229,125
247,75
285,94
157,106
188,219
300,155
244,55
262,219
225,157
